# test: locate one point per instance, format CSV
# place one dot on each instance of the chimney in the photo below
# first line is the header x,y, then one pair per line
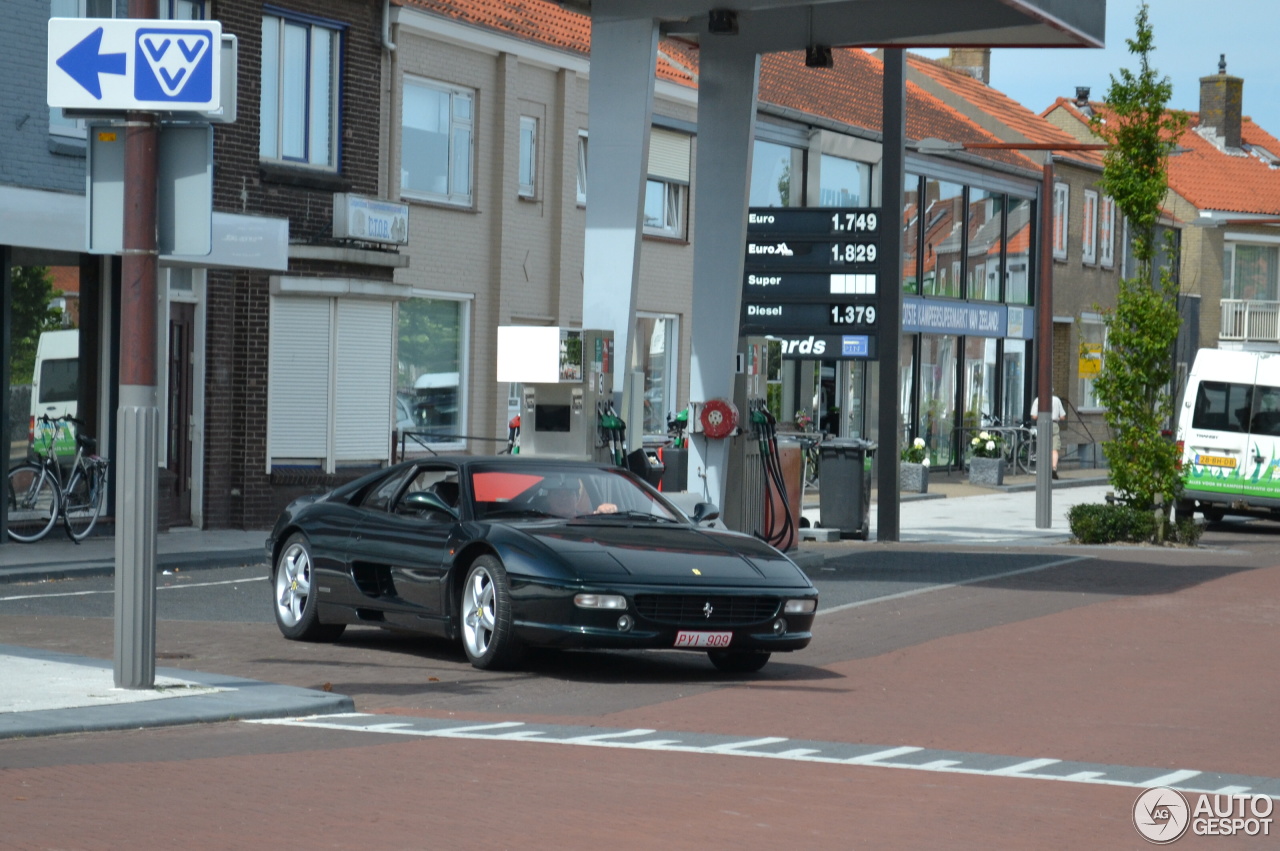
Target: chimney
x,y
1221,98
1082,100
974,61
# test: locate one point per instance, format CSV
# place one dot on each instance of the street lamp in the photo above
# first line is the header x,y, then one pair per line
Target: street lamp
x,y
1044,300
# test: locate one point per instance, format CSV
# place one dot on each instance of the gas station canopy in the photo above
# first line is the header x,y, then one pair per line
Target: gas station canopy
x,y
775,25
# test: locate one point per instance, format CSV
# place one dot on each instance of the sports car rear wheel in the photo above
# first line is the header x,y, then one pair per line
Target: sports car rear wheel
x,y
486,616
738,661
295,597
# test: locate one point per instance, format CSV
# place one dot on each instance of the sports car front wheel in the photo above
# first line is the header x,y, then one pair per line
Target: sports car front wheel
x,y
738,661
487,635
295,596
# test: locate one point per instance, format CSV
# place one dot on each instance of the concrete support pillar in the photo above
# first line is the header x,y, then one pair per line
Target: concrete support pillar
x,y
727,86
624,56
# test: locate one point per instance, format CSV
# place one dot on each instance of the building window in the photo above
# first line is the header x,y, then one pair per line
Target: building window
x,y
663,208
1089,222
1093,338
654,342
582,168
299,92
1250,272
60,124
1107,233
1061,198
528,156
435,142
843,183
430,368
776,175
328,382
182,10
667,189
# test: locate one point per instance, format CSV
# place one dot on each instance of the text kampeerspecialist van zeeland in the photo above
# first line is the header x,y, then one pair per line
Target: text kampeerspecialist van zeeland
x,y
1229,433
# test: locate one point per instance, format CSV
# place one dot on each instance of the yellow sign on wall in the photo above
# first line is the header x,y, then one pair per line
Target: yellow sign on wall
x,y
1090,365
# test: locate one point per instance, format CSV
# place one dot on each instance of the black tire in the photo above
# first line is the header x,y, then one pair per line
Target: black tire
x,y
484,609
1185,509
1027,455
293,579
83,503
1213,513
31,503
738,661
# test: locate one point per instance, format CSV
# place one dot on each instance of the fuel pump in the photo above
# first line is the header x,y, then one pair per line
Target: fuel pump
x,y
566,378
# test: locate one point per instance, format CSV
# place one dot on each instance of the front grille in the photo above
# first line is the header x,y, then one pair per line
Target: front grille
x,y
691,609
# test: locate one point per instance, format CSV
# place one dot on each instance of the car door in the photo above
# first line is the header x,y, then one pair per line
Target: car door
x,y
400,553
1216,447
1262,470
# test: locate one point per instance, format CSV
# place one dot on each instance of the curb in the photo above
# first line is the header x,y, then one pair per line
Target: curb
x,y
107,567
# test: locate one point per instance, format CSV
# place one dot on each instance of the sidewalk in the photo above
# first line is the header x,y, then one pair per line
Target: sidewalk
x,y
47,693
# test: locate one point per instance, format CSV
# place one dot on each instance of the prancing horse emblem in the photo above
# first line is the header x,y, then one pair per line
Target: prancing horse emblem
x,y
707,610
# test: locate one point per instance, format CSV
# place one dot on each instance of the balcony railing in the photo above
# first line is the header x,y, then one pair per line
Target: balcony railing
x,y
1250,320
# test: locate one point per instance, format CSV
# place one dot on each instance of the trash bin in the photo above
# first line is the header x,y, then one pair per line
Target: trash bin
x,y
844,486
645,464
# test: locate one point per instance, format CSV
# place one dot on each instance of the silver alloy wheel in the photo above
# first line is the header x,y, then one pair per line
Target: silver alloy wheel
x,y
293,584
478,601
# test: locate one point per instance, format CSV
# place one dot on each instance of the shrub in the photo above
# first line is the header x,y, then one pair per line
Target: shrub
x,y
916,453
1108,523
987,445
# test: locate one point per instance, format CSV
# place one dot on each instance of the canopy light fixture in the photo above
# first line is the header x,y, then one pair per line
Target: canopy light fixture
x,y
722,21
818,56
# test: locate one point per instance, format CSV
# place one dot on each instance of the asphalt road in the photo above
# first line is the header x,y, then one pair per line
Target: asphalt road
x,y
946,697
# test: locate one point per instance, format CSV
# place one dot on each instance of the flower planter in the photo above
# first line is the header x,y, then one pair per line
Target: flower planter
x,y
986,472
913,478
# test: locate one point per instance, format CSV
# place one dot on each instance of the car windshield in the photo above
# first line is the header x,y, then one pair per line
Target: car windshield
x,y
532,491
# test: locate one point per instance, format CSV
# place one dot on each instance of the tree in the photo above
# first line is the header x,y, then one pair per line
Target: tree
x,y
30,315
1134,386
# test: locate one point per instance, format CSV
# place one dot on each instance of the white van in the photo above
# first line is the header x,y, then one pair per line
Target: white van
x,y
55,387
1229,434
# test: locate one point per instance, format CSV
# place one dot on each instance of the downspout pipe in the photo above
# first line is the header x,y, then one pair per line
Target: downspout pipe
x,y
387,44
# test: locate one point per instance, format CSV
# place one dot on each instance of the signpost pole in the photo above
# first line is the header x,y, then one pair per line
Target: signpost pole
x,y
137,420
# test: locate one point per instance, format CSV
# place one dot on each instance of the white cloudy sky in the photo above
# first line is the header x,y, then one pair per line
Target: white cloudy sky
x,y
1189,36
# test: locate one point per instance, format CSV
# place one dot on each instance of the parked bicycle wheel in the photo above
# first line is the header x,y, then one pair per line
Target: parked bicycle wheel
x,y
83,501
1027,453
32,503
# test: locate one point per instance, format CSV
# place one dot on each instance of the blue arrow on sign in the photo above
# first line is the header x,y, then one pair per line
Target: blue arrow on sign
x,y
84,62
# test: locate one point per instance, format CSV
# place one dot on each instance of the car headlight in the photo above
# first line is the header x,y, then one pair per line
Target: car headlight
x,y
600,601
800,607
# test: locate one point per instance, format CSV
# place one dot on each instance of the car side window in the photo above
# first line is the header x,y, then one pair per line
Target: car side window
x,y
379,499
441,482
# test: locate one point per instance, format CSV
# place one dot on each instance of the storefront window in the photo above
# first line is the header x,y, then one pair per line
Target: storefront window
x,y
906,379
1014,380
943,231
980,381
843,183
911,235
655,352
776,175
937,395
986,240
1017,269
429,366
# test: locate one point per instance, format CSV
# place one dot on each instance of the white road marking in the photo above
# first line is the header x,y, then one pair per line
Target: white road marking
x,y
1025,770
985,578
112,591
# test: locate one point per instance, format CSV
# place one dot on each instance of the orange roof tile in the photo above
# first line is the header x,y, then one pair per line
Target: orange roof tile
x,y
1211,178
851,92
1003,108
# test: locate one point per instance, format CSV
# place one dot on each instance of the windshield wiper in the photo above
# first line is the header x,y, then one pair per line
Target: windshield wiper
x,y
518,512
625,515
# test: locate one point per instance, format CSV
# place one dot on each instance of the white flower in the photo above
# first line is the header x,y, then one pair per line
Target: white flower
x,y
991,446
925,462
975,442
982,435
918,442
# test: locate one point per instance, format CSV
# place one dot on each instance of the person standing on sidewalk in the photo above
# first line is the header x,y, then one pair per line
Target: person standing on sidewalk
x,y
1058,416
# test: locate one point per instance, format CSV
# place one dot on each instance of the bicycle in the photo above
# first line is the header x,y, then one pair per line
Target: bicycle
x,y
1019,448
39,494
811,454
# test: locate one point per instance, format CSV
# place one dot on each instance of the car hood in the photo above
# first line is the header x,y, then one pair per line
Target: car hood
x,y
660,554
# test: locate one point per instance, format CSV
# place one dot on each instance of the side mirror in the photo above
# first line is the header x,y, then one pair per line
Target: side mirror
x,y
704,511
420,501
